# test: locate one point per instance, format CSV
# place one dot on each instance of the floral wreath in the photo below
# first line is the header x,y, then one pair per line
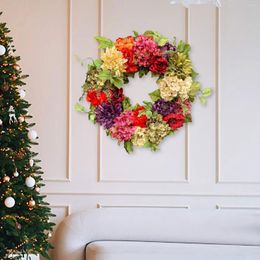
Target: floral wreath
x,y
148,124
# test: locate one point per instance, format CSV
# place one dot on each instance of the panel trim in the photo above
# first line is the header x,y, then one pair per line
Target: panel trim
x,y
219,177
221,207
69,87
67,207
153,194
99,205
100,177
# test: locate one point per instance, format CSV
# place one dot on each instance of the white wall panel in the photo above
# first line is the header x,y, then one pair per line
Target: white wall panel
x,y
212,164
239,92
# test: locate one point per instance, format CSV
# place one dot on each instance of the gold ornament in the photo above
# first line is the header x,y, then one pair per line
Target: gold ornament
x,y
6,179
31,203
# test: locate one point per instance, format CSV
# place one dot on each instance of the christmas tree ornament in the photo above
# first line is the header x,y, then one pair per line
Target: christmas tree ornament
x,y
22,93
16,66
6,179
1,122
18,225
21,119
9,202
31,203
16,173
12,117
32,134
30,182
5,87
31,162
2,50
37,189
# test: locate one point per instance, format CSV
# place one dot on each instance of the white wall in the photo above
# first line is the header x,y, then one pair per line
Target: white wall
x,y
212,164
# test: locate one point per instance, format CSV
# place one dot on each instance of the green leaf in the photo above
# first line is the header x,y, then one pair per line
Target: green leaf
x,y
126,104
155,95
149,113
195,88
104,42
202,100
206,92
79,108
183,47
128,145
135,33
97,63
92,117
105,75
163,41
118,82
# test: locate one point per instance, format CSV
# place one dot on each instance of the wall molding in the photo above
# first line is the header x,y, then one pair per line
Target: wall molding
x,y
69,87
221,207
99,205
100,176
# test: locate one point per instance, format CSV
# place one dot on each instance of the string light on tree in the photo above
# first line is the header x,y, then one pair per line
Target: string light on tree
x,y
31,162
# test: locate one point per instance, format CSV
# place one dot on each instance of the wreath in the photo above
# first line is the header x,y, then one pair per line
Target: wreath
x,y
141,125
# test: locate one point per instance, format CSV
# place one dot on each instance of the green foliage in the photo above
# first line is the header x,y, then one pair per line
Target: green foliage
x,y
104,42
79,108
206,92
19,225
127,103
183,47
128,145
158,38
155,95
195,88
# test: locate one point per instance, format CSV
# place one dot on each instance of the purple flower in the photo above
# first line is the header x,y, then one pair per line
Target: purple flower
x,y
106,113
167,47
166,107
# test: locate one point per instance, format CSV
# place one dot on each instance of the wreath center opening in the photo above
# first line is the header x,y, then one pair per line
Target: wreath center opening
x,y
138,89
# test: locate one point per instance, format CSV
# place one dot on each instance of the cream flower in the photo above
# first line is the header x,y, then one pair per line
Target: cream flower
x,y
140,137
113,60
171,86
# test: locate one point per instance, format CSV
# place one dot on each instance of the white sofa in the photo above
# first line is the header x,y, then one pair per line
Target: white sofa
x,y
161,234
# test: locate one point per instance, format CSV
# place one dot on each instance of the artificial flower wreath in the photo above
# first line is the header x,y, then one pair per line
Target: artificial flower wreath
x,y
147,124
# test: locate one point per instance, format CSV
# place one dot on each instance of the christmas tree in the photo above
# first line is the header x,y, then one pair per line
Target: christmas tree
x,y
24,215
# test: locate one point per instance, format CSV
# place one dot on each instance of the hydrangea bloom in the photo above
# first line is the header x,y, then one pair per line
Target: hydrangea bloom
x,y
123,127
113,60
145,49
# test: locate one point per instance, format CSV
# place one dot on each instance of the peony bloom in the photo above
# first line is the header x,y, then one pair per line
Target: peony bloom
x,y
157,129
167,107
145,49
139,137
171,86
113,60
160,65
106,113
175,121
96,98
123,128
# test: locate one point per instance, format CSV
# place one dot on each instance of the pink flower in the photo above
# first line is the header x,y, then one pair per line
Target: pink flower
x,y
145,48
123,128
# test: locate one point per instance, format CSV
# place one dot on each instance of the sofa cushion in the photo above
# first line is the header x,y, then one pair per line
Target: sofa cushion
x,y
130,250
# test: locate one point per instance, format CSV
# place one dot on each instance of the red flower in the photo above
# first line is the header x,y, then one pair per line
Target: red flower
x,y
159,65
139,120
96,98
175,121
117,95
130,65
